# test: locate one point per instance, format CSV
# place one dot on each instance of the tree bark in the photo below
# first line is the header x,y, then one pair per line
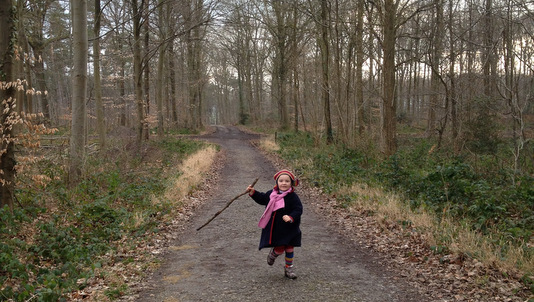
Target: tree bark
x,y
280,69
193,39
435,63
79,87
100,123
25,100
38,42
172,83
452,77
161,60
41,80
122,92
145,63
488,53
389,126
138,71
7,94
359,69
325,64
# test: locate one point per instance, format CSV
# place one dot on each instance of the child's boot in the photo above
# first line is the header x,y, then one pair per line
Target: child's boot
x,y
271,257
290,272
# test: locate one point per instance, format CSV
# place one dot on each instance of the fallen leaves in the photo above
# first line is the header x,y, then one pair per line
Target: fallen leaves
x,y
126,269
435,272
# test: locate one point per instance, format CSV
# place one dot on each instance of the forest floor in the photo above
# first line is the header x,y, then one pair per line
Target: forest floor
x,y
344,257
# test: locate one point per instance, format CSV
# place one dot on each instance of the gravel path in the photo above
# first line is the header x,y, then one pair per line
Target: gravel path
x,y
221,262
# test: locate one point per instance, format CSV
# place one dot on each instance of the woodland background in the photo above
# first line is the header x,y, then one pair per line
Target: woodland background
x,y
432,99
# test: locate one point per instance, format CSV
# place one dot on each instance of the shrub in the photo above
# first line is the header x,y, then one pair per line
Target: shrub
x,y
62,233
428,178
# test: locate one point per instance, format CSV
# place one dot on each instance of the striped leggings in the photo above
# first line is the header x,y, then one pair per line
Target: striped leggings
x,y
288,249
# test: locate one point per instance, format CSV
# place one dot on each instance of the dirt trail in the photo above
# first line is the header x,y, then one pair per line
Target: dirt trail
x,y
221,262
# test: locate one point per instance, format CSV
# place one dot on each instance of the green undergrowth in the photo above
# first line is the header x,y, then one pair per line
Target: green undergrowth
x,y
479,191
57,236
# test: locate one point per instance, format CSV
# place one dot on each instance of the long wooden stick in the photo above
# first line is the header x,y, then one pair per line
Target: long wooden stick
x,y
226,206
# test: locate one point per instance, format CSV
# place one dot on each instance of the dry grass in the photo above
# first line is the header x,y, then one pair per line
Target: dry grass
x,y
503,255
182,181
457,237
389,207
268,144
191,174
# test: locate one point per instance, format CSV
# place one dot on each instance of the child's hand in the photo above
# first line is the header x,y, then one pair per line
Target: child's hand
x,y
250,190
287,218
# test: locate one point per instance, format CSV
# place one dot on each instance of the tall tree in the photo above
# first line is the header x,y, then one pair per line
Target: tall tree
x,y
172,83
489,52
324,46
161,60
435,65
79,89
146,63
452,77
7,99
137,71
118,50
100,123
389,102
196,18
359,64
25,100
40,40
279,31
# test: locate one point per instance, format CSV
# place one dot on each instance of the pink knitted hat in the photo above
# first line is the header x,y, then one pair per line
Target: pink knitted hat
x,y
294,180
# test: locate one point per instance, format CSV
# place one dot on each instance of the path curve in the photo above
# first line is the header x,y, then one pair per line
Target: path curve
x,y
221,262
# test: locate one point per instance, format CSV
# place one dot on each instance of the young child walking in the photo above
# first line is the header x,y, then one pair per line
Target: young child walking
x,y
280,221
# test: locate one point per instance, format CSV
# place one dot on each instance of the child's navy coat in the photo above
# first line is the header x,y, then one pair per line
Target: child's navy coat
x,y
279,232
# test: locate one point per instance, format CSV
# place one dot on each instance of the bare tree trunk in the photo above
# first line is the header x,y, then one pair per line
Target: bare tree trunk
x,y
371,82
488,52
247,68
161,60
193,38
25,100
41,81
511,95
241,93
146,67
138,71
335,83
122,93
280,69
191,79
359,69
325,63
28,105
295,98
7,95
199,79
452,77
100,123
351,109
241,47
435,61
389,100
79,87
172,83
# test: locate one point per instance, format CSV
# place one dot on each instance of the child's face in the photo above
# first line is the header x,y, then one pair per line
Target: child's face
x,y
284,182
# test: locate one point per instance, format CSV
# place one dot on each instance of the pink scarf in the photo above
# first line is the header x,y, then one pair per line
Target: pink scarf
x,y
276,202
